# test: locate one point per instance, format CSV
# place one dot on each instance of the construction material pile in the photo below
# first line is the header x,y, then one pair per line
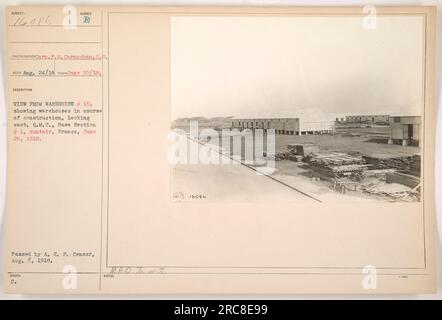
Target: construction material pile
x,y
335,165
402,178
296,152
278,156
303,149
415,165
380,174
392,192
411,164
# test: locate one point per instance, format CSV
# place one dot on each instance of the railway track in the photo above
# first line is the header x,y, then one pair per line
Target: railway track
x,y
256,170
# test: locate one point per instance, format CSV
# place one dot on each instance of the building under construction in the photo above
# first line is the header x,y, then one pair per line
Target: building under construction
x,y
368,119
292,126
405,130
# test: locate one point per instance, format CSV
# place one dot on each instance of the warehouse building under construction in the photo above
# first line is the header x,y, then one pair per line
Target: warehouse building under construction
x,y
291,126
405,130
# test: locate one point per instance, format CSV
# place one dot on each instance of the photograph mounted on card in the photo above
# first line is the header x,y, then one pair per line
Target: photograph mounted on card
x,y
220,149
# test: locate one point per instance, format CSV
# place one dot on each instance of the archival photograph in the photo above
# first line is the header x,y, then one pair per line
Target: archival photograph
x,y
297,108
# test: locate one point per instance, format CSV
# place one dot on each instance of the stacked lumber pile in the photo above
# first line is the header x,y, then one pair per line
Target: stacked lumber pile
x,y
410,164
415,165
336,165
336,158
380,174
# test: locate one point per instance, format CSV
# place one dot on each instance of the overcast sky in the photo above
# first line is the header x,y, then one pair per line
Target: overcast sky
x,y
316,67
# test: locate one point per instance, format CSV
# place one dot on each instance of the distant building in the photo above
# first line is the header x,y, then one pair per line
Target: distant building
x,y
284,125
369,119
405,130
